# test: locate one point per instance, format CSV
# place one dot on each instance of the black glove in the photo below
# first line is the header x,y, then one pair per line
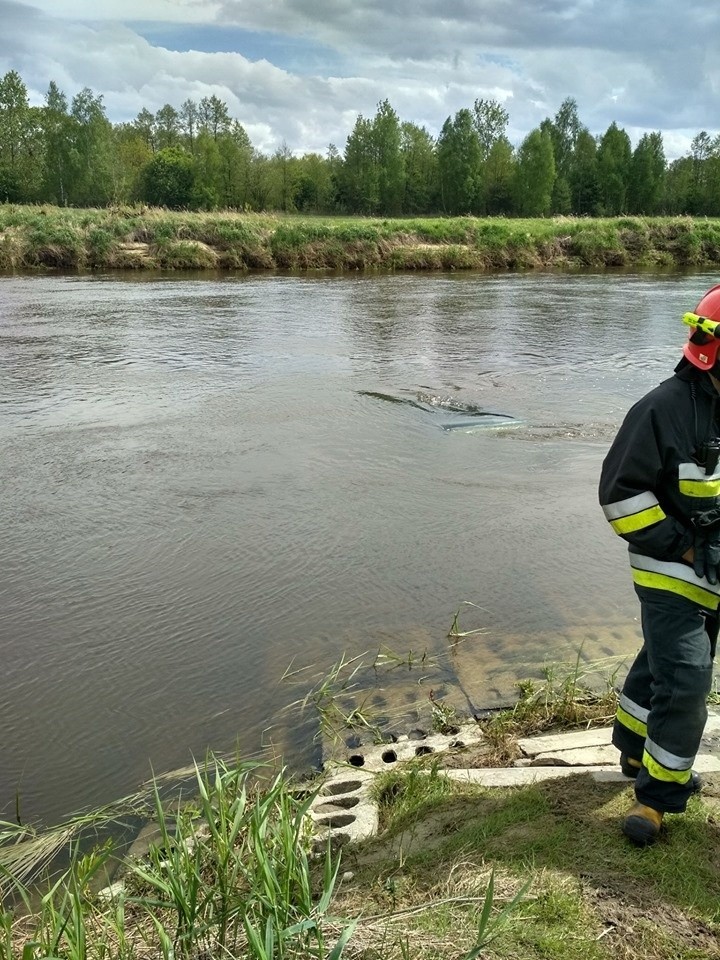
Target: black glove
x,y
706,545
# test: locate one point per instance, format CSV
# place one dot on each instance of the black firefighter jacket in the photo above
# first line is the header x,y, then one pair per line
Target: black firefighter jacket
x,y
654,479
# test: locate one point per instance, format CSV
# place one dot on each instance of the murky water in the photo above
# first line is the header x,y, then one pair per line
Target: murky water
x,y
206,482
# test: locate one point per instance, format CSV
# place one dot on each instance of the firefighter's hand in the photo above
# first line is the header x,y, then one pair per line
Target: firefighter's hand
x,y
706,554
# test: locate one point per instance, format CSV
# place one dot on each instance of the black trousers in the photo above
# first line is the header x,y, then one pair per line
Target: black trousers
x,y
663,711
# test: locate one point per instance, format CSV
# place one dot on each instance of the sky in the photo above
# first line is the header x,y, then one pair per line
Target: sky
x,y
299,72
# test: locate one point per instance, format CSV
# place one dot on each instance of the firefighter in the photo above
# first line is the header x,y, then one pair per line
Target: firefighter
x,y
660,491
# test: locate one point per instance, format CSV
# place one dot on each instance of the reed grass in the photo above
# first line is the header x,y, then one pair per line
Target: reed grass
x,y
231,874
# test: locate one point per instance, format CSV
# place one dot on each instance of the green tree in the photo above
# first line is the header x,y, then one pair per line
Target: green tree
x,y
284,177
57,140
490,119
421,171
584,181
499,177
647,175
564,130
188,117
701,188
535,175
146,127
207,171
712,180
234,158
213,116
614,158
18,161
169,179
680,194
167,127
260,184
389,159
91,152
335,164
360,187
131,155
459,163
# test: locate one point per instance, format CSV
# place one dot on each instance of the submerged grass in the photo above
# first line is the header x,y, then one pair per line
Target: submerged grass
x,y
145,238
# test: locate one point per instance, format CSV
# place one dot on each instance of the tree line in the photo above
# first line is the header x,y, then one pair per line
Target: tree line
x,y
196,156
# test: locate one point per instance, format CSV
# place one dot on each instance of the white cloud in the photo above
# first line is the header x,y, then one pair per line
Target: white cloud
x,y
428,57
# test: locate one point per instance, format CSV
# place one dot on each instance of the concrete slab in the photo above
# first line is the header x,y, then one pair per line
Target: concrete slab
x,y
523,776
571,740
418,743
343,811
606,754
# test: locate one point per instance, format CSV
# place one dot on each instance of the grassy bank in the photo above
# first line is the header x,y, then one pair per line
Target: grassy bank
x,y
131,238
455,871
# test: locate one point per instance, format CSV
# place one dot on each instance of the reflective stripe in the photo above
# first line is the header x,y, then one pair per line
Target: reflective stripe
x,y
634,709
632,723
676,578
694,482
634,513
624,508
670,760
638,521
700,488
660,772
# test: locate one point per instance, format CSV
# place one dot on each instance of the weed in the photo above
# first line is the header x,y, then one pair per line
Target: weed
x,y
445,717
489,926
565,698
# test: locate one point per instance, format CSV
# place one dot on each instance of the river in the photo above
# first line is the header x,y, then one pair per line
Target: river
x,y
206,488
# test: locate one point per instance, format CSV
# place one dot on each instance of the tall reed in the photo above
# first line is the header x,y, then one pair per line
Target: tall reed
x,y
232,873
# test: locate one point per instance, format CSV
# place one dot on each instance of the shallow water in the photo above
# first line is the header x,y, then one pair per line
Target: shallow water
x,y
206,482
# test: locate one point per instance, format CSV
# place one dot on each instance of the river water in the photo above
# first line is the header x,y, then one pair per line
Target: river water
x,y
206,487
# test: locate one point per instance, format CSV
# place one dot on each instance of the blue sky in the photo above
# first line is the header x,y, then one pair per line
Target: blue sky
x,y
295,54
300,71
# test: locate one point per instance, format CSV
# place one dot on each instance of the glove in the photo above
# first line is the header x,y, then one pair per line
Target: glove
x,y
706,544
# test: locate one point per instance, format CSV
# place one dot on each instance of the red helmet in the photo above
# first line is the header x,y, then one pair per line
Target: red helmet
x,y
702,348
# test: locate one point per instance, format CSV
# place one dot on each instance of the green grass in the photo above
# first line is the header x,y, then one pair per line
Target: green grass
x,y
591,893
42,237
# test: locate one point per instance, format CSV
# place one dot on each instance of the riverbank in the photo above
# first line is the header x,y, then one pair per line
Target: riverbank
x,y
458,863
140,238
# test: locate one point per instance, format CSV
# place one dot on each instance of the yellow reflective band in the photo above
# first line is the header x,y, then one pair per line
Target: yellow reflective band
x,y
659,581
632,723
700,488
660,772
702,323
638,521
